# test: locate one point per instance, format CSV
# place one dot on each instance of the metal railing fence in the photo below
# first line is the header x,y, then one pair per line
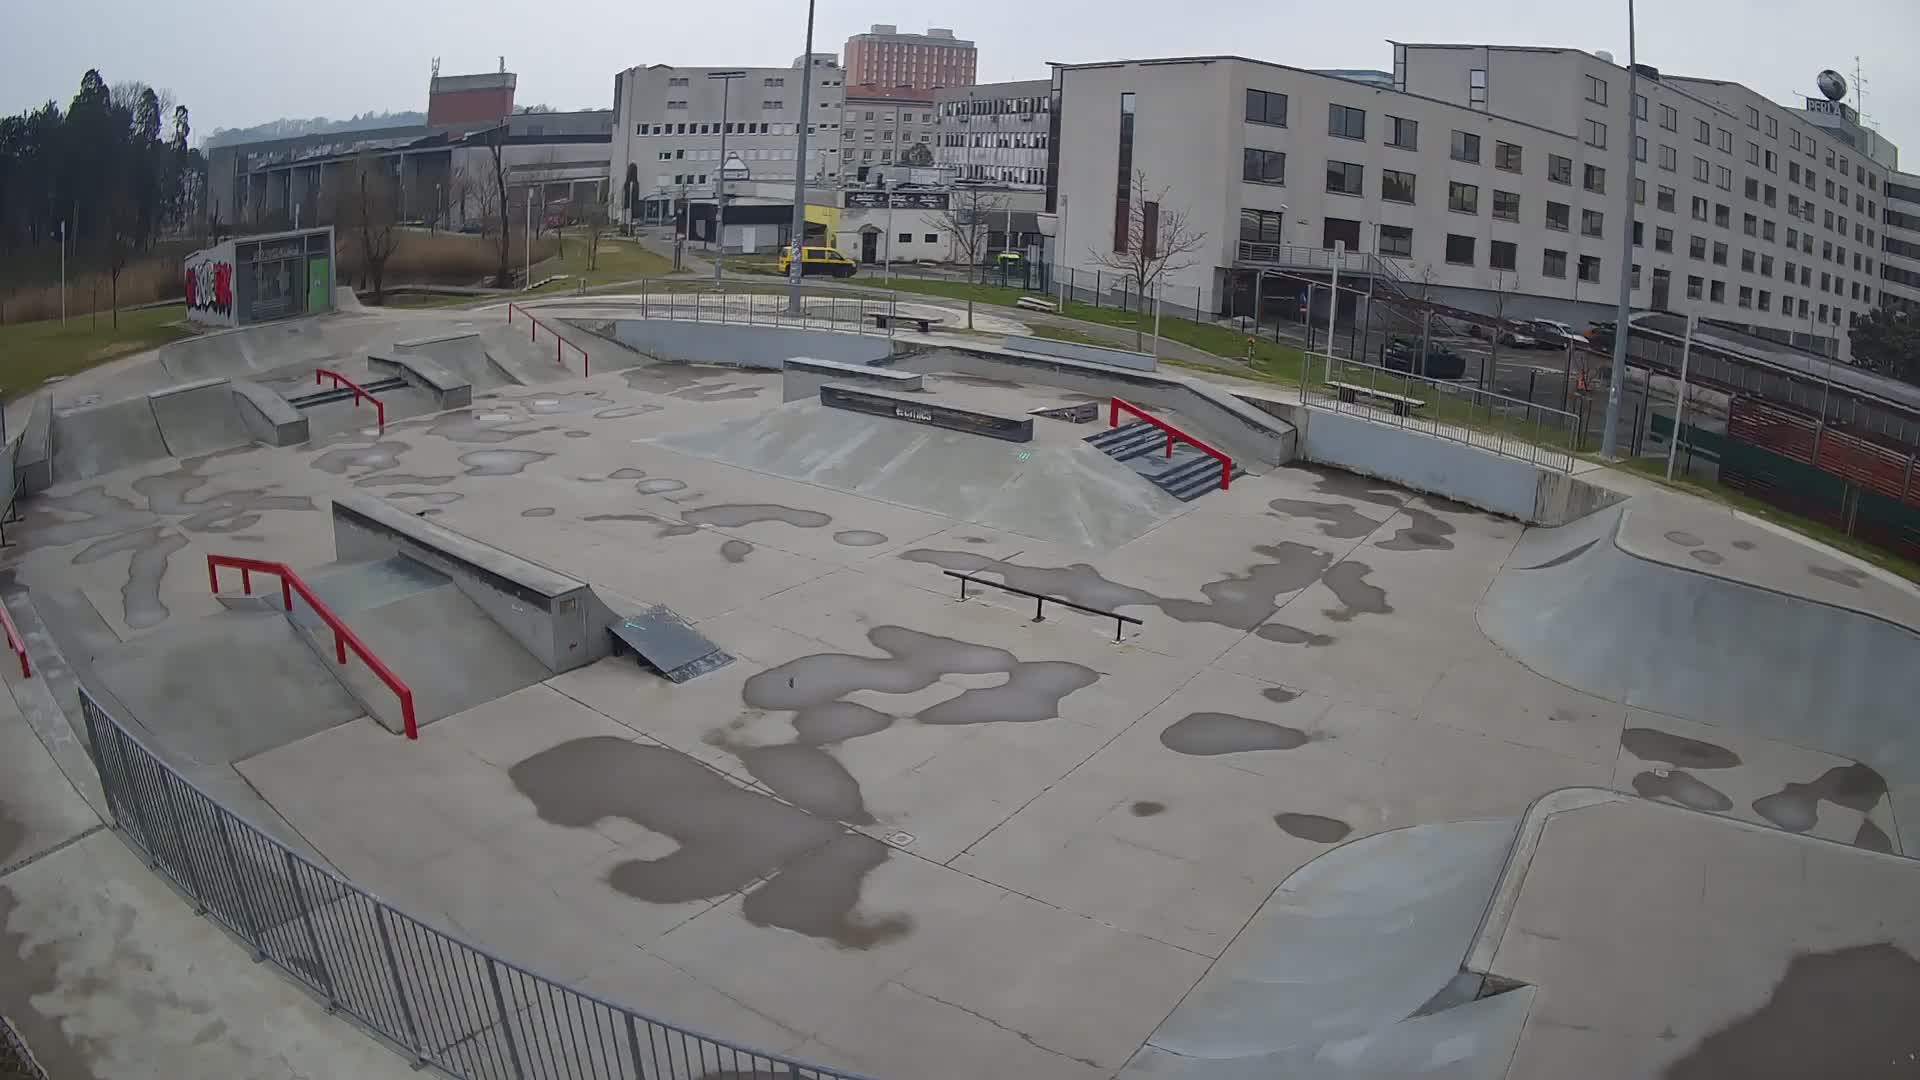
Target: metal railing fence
x,y
440,1000
1509,426
820,310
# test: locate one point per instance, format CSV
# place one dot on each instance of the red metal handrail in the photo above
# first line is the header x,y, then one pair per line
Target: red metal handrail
x,y
559,342
359,391
343,638
1113,419
15,642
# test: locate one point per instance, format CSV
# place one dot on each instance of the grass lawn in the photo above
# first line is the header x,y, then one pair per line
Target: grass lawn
x,y
616,260
433,300
1655,468
31,353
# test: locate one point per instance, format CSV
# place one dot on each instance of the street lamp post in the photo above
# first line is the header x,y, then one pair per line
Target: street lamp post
x,y
720,175
1616,385
886,189
800,172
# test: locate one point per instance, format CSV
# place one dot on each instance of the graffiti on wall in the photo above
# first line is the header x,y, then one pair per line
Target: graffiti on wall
x,y
209,286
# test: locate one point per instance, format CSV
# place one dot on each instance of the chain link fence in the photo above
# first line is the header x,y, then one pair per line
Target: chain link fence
x,y
438,999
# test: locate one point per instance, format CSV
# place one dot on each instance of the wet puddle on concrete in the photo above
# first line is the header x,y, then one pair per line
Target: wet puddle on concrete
x,y
737,515
1356,596
537,512
374,457
151,548
1314,827
1682,787
1147,808
1850,577
500,462
1648,744
1796,807
399,479
1338,520
859,538
736,551
729,838
1207,734
1427,531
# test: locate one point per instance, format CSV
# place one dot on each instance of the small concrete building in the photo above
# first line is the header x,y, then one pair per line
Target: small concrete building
x,y
253,279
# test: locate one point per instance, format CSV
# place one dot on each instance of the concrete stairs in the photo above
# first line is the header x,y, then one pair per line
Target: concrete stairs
x,y
1186,475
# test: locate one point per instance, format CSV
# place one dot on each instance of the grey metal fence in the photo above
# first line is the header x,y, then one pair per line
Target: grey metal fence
x,y
1508,426
440,1000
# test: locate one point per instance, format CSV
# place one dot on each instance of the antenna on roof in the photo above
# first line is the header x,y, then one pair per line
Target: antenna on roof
x,y
436,67
503,65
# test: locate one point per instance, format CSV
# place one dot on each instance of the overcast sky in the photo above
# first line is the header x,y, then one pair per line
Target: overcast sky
x,y
240,64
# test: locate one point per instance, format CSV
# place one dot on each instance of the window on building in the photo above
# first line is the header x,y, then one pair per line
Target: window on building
x,y
1746,296
1703,132
1345,178
1766,230
1753,117
1663,199
1123,189
1460,249
1595,180
1696,287
1639,234
1263,166
1766,266
1753,153
1669,158
1766,300
1266,107
1558,215
1773,127
1463,198
1746,259
1506,156
1635,276
1396,240
1559,169
1663,239
1722,215
1466,147
1669,118
1262,226
1752,189
1696,247
1403,133
1596,90
1640,106
1723,178
1699,208
1589,268
1506,205
1346,123
1396,186
1553,263
1640,148
1593,133
1772,162
1717,292
1702,170
1477,89
1502,255
1639,192
932,238
1591,222
1750,225
1719,253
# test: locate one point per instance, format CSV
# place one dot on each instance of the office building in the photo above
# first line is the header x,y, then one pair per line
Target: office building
x,y
995,132
1900,243
668,129
1486,177
883,56
882,125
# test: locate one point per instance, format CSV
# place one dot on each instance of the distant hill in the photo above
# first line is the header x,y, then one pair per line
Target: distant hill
x,y
289,127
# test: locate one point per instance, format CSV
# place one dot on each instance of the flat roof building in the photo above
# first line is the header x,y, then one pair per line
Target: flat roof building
x,y
996,132
883,56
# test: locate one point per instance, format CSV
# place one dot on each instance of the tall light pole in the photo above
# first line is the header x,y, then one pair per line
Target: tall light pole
x,y
720,175
800,172
1616,385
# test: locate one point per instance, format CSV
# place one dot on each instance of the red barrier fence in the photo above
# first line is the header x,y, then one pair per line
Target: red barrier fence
x,y
339,380
15,642
343,638
559,343
1117,406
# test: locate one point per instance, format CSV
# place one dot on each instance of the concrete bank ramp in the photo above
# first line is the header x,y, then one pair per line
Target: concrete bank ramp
x,y
199,417
1328,977
94,441
1574,606
1066,492
470,354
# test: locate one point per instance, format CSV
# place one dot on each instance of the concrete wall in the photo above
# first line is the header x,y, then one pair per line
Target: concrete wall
x,y
1237,428
1092,354
803,377
747,346
268,416
210,285
33,450
556,618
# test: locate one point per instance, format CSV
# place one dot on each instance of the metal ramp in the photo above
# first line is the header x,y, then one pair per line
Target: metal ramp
x,y
662,640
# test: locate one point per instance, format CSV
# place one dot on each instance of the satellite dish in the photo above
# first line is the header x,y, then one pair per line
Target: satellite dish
x,y
1605,56
1832,85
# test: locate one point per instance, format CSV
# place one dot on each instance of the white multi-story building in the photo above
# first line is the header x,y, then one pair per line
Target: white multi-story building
x,y
668,128
995,132
881,125
1900,243
1489,177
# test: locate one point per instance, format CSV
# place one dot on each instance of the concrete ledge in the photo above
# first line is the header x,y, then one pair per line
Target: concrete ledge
x,y
449,391
1250,435
745,345
33,450
417,343
1506,893
1092,354
920,410
267,415
802,377
556,618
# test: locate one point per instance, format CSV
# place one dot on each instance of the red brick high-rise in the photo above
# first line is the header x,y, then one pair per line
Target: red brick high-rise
x,y
885,57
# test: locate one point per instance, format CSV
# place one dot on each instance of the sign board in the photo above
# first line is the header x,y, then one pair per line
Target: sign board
x,y
1832,108
734,169
902,200
920,410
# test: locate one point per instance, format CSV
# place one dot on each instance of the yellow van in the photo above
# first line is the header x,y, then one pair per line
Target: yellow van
x,y
818,260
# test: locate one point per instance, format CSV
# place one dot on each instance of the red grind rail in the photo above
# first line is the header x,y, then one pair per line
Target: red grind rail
x,y
359,392
15,642
343,638
1173,433
559,342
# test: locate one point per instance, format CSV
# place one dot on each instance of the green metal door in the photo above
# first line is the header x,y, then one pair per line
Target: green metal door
x,y
319,285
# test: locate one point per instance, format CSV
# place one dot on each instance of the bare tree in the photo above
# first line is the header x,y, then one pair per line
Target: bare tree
x,y
365,207
968,218
594,223
1160,240
495,183
1490,372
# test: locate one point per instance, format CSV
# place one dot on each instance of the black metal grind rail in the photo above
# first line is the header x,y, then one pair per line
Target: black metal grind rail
x,y
1040,600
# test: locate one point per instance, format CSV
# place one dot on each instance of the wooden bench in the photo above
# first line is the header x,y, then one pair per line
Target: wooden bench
x,y
1401,404
926,323
1035,303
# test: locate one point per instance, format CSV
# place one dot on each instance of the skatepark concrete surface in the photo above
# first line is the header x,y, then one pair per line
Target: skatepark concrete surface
x,y
1270,831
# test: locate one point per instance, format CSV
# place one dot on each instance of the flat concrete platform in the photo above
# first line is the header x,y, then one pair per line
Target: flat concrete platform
x,y
913,836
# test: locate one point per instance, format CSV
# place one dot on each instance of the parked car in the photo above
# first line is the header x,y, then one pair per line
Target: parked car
x,y
1518,335
1553,334
821,261
1600,336
1440,363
